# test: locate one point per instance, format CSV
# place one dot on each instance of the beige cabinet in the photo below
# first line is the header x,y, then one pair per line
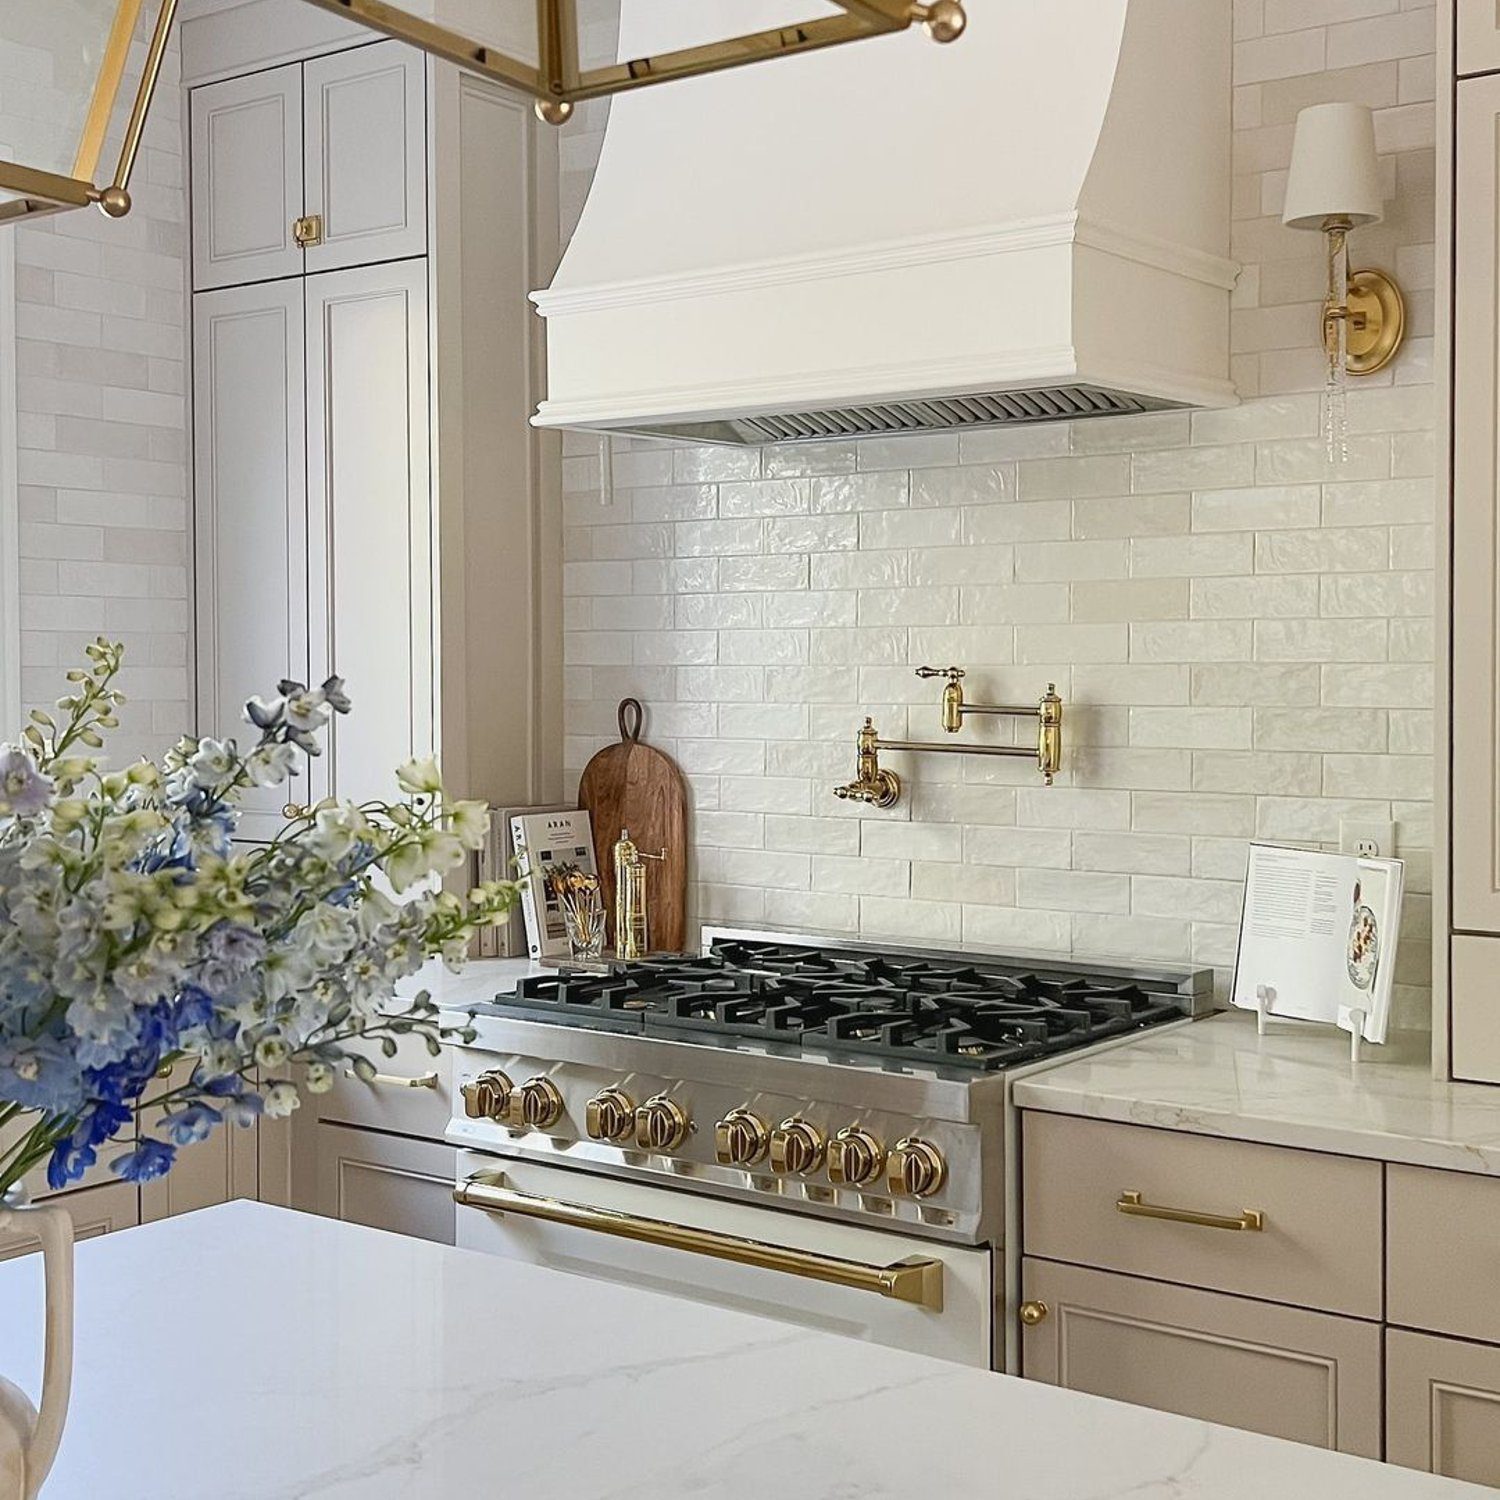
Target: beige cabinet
x,y
370,519
1310,1377
246,176
94,1211
386,1182
309,167
364,155
1478,36
1171,1205
250,510
1443,1406
1474,799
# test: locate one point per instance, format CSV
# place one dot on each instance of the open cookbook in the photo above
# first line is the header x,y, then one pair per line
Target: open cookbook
x,y
1318,937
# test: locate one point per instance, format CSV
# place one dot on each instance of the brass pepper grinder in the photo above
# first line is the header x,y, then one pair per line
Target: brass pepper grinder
x,y
632,939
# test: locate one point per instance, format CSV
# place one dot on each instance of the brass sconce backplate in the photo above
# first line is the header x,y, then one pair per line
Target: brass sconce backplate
x,y
1376,322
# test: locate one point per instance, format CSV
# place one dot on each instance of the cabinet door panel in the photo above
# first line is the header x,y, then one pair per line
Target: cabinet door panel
x,y
94,1211
1474,986
1478,36
386,1182
366,134
1443,1406
247,178
250,507
1476,540
370,518
1310,1377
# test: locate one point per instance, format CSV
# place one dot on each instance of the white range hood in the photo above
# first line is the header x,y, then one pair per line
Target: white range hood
x,y
1029,223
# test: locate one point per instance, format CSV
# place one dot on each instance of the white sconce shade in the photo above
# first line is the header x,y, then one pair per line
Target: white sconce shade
x,y
1334,174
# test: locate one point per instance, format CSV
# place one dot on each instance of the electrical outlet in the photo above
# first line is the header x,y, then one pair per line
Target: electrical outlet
x,y
1367,840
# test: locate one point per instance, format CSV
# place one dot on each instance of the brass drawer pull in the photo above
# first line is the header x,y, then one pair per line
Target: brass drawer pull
x,y
1249,1218
918,1281
397,1080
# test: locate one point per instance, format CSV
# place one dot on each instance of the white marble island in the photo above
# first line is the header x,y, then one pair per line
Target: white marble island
x,y
252,1354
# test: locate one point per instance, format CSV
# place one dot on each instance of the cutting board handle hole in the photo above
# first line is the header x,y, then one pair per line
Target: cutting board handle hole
x,y
631,715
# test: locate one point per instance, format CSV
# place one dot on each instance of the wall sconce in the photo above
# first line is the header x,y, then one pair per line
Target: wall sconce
x,y
83,47
1334,186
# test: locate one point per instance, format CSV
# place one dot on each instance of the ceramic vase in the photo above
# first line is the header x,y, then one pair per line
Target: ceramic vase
x,y
29,1438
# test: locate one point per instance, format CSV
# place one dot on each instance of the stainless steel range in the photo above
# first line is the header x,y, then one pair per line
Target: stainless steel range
x,y
813,1132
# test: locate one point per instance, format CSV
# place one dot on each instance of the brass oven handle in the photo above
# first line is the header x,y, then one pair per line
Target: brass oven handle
x,y
397,1080
1249,1218
919,1281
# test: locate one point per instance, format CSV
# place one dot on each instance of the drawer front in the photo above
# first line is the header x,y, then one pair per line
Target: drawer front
x,y
383,1182
1443,1251
1442,1406
94,1211
1318,1244
412,1093
1310,1377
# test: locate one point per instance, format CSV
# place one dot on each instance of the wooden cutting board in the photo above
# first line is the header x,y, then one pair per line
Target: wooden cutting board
x,y
635,786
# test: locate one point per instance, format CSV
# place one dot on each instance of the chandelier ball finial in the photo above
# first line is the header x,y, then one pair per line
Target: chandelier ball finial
x,y
115,201
554,111
944,20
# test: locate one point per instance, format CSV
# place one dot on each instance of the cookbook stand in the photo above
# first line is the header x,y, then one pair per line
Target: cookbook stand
x,y
1265,998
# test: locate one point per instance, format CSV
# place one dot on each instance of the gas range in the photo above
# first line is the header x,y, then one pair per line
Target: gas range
x,y
849,1082
815,1132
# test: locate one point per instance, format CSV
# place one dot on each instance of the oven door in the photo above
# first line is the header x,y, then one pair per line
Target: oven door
x,y
838,1278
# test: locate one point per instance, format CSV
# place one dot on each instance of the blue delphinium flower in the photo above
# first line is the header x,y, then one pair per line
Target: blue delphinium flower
x,y
24,791
186,1127
39,1073
150,1160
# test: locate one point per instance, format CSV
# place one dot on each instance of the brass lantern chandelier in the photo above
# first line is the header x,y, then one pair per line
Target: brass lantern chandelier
x,y
557,80
76,52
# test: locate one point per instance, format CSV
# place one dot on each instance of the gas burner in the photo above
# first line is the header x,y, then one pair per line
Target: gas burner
x,y
976,1014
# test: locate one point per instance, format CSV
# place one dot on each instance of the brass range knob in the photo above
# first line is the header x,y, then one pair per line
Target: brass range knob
x,y
487,1097
539,1104
661,1124
609,1115
796,1148
916,1169
855,1157
1033,1313
740,1139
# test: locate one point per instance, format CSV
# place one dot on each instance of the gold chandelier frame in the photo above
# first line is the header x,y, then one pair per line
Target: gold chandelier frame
x,y
43,192
559,81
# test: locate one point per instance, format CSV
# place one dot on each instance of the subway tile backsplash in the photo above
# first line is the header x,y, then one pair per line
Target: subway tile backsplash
x,y
1241,629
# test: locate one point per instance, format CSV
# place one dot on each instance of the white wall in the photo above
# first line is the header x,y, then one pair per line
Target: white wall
x,y
101,436
1242,632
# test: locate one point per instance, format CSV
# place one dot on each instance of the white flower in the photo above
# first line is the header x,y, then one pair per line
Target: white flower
x,y
270,764
212,765
319,1078
335,831
420,777
308,709
272,1051
469,822
280,1100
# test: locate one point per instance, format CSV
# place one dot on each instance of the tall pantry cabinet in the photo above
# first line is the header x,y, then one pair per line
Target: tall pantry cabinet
x,y
369,497
1469,219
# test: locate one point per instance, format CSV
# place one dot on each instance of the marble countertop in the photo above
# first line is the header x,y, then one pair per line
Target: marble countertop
x,y
254,1354
1291,1087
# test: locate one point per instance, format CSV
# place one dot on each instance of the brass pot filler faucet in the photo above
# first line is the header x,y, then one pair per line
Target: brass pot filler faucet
x,y
882,788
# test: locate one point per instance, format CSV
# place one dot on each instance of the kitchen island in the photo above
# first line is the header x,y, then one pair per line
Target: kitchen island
x,y
249,1353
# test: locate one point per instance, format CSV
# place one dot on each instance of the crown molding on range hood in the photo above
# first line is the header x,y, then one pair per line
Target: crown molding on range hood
x,y
1030,224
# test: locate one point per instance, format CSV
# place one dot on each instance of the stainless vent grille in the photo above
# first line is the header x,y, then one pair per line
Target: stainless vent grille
x,y
1061,403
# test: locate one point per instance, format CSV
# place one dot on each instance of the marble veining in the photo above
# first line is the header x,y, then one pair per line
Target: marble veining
x,y
255,1354
1293,1087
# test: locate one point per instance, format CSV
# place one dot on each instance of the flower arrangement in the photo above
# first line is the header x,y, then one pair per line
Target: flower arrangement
x,y
135,935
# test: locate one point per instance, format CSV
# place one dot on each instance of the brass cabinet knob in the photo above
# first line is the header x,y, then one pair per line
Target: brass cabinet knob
x,y
796,1148
1033,1313
855,1157
660,1124
916,1169
609,1115
740,1139
487,1097
539,1104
